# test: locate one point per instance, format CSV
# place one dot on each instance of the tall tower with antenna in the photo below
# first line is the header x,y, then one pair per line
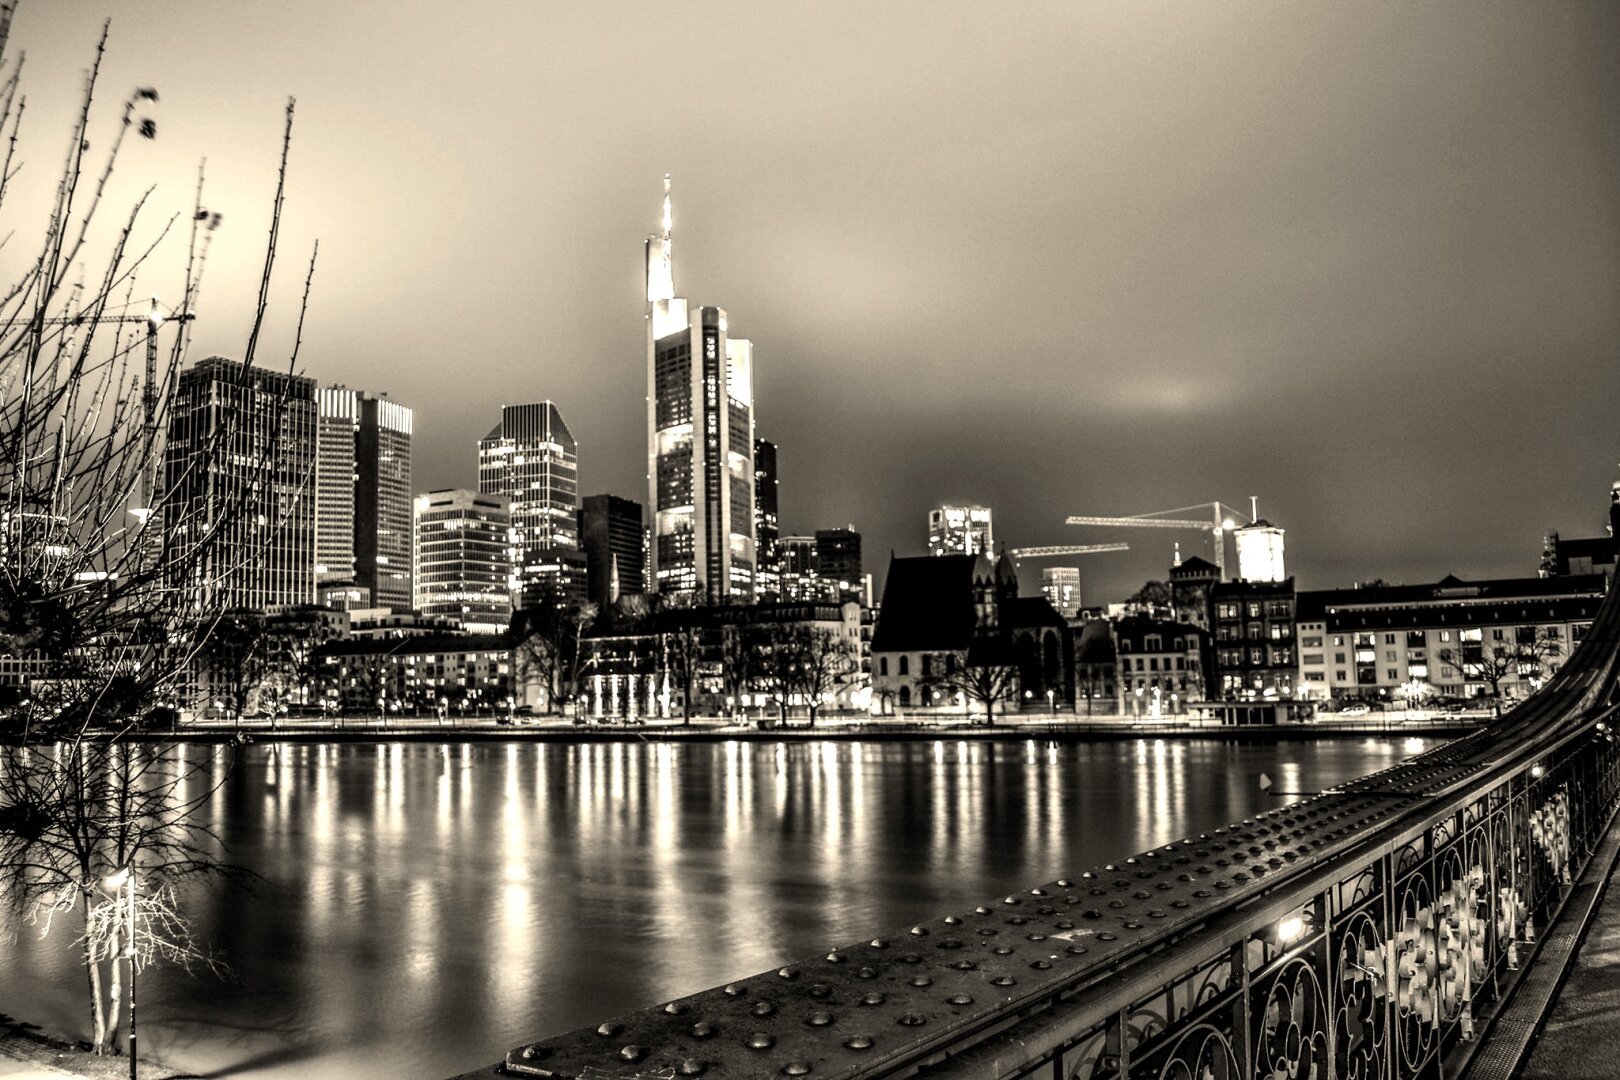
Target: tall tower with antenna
x,y
700,441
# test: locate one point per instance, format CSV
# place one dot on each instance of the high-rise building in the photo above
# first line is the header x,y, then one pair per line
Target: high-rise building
x,y
463,558
1259,551
532,459
767,526
700,441
799,580
960,530
838,560
1061,587
363,495
239,470
614,541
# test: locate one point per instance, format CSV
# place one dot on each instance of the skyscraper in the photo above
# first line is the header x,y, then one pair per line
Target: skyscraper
x,y
960,530
1061,587
532,459
700,441
614,541
363,495
239,469
463,559
838,560
767,526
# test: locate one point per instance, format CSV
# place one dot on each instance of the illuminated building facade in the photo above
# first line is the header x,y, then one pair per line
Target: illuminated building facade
x,y
239,467
463,559
363,496
838,561
531,458
1259,551
700,442
960,530
767,524
1061,587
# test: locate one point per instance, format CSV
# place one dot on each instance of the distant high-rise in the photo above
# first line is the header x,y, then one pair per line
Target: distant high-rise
x,y
799,580
1061,587
532,459
960,530
239,470
700,442
1259,551
767,526
614,541
838,560
363,495
463,558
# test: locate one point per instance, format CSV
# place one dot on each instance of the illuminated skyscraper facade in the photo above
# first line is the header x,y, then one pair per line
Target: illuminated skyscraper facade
x,y
767,524
531,458
700,442
363,495
239,467
960,530
463,559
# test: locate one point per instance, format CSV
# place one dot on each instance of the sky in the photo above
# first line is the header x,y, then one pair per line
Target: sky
x,y
1361,261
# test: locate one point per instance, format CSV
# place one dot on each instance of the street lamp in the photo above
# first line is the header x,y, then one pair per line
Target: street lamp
x,y
1051,708
114,883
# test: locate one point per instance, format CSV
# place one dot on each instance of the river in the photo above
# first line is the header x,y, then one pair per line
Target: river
x,y
422,908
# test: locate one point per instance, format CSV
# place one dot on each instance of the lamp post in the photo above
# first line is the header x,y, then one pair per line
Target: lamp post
x,y
115,883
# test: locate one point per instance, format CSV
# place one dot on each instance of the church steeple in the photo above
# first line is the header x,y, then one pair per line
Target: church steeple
x,y
660,267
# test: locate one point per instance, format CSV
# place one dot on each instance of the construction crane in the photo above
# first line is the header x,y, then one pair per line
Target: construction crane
x,y
1064,549
1222,520
153,318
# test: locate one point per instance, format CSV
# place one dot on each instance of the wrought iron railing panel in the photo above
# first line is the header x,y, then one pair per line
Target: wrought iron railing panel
x,y
1354,934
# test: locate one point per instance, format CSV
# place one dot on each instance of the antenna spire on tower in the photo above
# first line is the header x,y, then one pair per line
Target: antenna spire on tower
x,y
660,266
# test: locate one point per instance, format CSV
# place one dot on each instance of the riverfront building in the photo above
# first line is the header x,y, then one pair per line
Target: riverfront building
x,y
615,543
1254,639
531,458
1452,638
960,530
463,559
363,498
700,442
239,469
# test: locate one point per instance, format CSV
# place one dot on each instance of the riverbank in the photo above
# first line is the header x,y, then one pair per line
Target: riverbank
x,y
835,729
28,1053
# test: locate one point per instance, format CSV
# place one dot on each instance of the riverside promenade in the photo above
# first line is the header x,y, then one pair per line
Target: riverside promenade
x,y
1581,1036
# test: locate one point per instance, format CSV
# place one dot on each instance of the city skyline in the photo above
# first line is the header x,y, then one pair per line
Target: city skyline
x,y
1404,295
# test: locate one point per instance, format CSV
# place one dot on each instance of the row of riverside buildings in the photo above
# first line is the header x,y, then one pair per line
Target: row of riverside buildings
x,y
1243,650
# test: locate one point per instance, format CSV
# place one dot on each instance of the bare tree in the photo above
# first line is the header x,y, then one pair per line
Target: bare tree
x,y
1528,655
826,662
97,589
982,680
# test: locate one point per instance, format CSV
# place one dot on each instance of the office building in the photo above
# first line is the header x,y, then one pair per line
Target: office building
x,y
1254,639
531,458
463,559
1259,551
700,441
614,541
838,560
767,526
798,579
239,469
363,496
960,530
1061,587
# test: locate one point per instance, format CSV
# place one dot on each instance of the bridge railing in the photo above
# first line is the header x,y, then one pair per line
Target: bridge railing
x,y
1357,933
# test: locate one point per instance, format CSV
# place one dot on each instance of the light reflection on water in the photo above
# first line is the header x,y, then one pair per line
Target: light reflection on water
x,y
435,905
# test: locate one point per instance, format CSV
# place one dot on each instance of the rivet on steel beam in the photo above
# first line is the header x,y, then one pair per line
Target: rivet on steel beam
x,y
1064,883
981,910
959,999
1003,980
878,943
1106,936
796,1068
1035,937
735,989
701,1030
836,957
820,990
675,1008
532,1053
1076,950
866,973
609,1028
763,1008
691,1067
912,1020
787,973
858,1042
1037,892
910,958
819,1018
965,965
874,998
1002,950
760,1040
921,980
1041,965
632,1052
953,920
919,931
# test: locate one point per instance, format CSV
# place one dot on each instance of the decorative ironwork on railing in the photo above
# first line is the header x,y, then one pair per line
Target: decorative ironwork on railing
x,y
1355,934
